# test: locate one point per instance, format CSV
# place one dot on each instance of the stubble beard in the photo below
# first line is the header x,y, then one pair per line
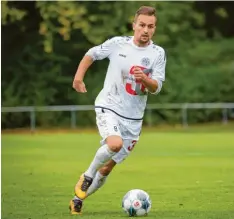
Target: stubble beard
x,y
144,42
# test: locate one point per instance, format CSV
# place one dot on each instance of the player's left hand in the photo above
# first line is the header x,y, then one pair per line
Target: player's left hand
x,y
139,74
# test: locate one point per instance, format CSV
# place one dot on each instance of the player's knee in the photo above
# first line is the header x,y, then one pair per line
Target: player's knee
x,y
115,143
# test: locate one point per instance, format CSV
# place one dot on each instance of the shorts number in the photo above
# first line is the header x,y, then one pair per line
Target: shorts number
x,y
128,86
130,147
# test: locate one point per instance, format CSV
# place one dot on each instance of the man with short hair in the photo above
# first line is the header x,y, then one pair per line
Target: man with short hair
x,y
136,68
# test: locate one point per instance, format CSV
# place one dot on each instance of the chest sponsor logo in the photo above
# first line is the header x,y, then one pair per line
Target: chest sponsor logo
x,y
122,55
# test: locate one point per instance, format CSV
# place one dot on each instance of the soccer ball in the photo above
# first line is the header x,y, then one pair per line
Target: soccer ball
x,y
136,203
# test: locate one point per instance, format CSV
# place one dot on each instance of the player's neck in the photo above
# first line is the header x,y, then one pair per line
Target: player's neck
x,y
139,44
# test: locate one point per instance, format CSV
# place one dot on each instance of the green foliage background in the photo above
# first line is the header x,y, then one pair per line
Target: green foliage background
x,y
43,42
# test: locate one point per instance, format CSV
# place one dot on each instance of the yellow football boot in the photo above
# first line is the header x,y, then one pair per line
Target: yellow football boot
x,y
82,186
75,206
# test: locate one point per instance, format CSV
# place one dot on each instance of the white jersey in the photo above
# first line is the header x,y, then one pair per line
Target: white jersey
x,y
121,92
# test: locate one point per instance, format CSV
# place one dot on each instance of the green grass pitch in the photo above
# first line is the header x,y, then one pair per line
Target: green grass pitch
x,y
188,175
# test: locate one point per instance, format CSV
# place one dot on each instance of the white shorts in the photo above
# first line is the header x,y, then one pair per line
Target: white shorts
x,y
111,124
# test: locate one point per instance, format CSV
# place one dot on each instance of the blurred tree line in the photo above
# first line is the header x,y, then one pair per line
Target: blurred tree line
x,y
43,42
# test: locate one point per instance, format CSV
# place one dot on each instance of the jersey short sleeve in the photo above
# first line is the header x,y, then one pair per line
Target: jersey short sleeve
x,y
104,50
159,69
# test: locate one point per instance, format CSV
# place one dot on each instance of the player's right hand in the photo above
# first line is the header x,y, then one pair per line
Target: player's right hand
x,y
79,86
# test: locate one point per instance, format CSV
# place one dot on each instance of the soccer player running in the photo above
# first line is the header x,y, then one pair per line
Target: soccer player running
x,y
136,68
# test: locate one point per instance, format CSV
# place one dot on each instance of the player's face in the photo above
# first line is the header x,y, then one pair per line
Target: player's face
x,y
144,27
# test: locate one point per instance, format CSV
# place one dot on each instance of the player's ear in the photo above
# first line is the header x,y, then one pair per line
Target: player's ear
x,y
133,25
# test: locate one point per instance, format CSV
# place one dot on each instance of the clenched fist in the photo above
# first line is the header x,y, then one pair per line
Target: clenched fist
x,y
79,86
139,74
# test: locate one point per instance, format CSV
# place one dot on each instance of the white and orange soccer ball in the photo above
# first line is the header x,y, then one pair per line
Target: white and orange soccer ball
x,y
136,202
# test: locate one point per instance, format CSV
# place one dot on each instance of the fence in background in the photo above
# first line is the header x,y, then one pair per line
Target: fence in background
x,y
74,108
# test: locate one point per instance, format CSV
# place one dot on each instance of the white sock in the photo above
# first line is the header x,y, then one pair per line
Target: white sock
x,y
98,182
76,198
102,156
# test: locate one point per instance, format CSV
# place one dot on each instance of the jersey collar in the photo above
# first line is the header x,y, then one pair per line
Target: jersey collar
x,y
139,47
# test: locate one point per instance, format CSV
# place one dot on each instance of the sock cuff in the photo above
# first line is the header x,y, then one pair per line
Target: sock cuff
x,y
109,150
100,176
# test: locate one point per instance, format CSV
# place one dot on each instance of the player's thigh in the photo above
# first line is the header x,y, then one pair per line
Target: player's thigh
x,y
128,146
130,132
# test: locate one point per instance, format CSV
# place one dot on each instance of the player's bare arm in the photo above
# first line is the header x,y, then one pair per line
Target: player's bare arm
x,y
78,83
149,83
